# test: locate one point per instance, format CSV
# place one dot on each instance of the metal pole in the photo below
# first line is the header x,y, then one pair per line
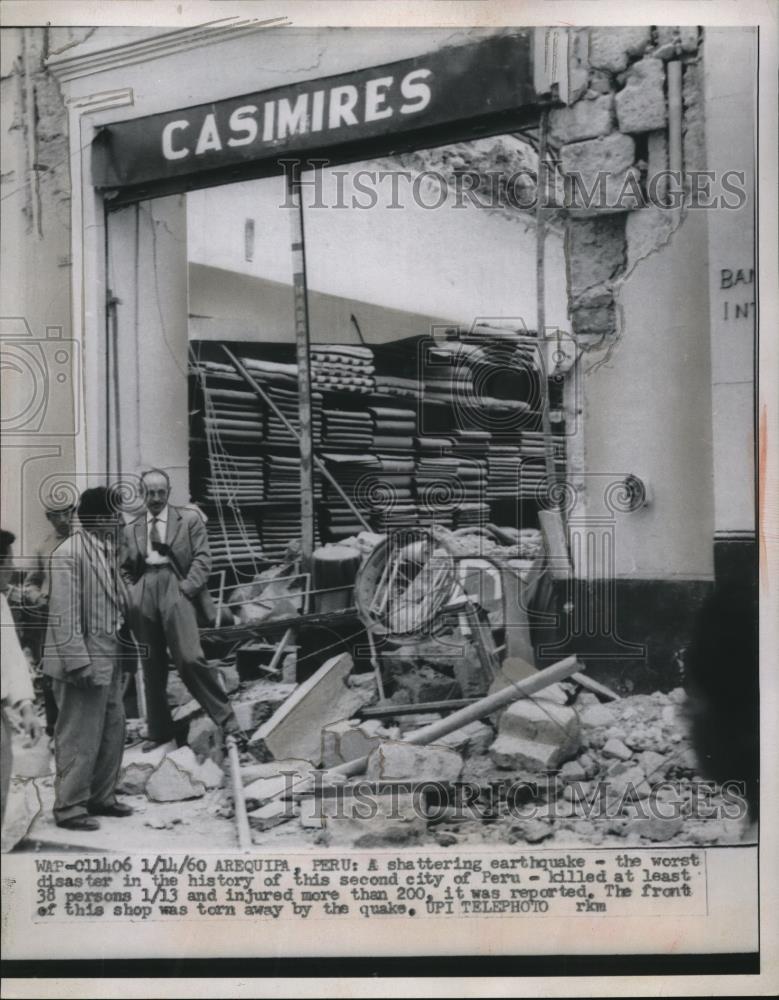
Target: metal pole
x,y
241,819
303,346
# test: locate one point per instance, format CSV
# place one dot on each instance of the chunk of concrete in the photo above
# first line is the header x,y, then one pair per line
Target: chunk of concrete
x,y
389,819
624,779
281,778
294,729
536,735
211,774
206,739
616,748
176,778
349,739
611,48
395,760
138,767
272,814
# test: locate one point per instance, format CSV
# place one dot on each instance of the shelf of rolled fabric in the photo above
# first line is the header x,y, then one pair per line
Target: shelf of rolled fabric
x,y
234,544
393,428
282,478
343,368
347,429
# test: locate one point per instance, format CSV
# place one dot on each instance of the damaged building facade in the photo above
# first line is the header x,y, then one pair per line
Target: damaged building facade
x,y
486,276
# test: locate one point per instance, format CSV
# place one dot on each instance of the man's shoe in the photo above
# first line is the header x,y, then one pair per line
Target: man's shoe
x,y
148,745
118,809
79,823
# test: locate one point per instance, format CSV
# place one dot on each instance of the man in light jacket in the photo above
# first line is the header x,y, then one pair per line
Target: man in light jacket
x,y
83,655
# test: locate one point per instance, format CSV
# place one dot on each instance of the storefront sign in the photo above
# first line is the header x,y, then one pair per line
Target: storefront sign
x,y
452,85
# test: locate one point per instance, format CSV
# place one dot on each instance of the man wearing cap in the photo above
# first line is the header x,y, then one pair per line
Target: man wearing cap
x,y
83,655
166,561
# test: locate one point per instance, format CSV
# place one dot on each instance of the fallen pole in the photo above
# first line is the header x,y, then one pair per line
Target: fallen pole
x,y
241,819
471,713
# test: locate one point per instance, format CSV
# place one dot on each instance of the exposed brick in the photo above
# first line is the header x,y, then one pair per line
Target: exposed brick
x,y
595,252
583,120
611,153
641,103
610,48
687,37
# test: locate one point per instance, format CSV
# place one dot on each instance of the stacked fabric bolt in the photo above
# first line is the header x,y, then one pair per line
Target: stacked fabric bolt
x,y
282,478
471,515
532,444
471,443
393,428
234,480
344,368
288,403
272,371
394,385
532,477
438,488
503,464
278,527
387,494
233,543
447,373
347,429
472,475
353,473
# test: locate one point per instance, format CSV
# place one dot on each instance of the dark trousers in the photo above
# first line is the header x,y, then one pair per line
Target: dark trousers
x,y
88,745
164,619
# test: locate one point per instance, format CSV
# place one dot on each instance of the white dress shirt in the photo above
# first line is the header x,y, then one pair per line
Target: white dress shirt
x,y
155,558
15,682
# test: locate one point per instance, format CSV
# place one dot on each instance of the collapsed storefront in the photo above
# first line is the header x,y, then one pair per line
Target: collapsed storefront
x,y
318,356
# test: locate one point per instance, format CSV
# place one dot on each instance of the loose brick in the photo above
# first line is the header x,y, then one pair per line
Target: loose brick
x,y
583,120
641,103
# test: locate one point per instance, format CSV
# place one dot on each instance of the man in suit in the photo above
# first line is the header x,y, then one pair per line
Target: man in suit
x,y
166,561
83,655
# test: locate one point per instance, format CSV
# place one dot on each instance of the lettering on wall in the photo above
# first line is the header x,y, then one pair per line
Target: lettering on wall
x,y
741,283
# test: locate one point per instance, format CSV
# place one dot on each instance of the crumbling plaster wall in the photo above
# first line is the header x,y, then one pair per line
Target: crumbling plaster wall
x,y
638,300
35,301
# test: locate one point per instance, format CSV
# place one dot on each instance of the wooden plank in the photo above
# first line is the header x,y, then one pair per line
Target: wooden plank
x,y
553,530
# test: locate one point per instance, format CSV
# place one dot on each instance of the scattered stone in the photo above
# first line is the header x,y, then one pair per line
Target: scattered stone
x,y
230,676
616,748
655,828
349,739
530,830
586,698
175,779
272,814
138,767
678,696
211,774
398,819
281,778
158,824
622,779
536,735
572,770
205,739
654,764
397,760
446,839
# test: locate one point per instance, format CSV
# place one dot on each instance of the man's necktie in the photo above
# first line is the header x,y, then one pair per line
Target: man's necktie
x,y
154,535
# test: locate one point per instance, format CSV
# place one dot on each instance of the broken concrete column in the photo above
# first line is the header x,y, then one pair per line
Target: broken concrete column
x,y
294,730
641,102
176,778
394,760
536,735
205,739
